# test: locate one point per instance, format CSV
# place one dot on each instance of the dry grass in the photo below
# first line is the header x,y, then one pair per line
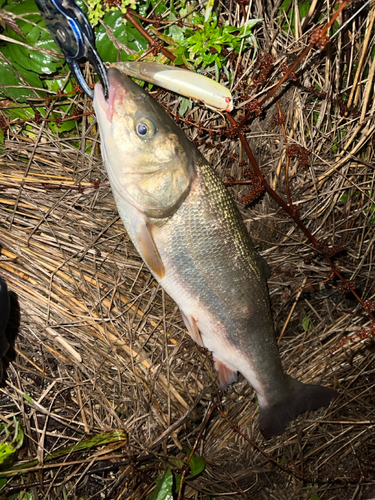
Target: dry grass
x,y
99,346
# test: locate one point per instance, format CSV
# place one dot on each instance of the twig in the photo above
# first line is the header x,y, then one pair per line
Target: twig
x,y
198,438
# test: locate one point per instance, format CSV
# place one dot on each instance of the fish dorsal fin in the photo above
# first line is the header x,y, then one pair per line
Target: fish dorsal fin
x,y
225,374
192,328
149,249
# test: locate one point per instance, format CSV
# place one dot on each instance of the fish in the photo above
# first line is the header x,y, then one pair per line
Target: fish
x,y
4,316
188,230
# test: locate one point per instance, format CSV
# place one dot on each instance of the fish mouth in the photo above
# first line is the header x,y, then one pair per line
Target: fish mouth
x,y
107,105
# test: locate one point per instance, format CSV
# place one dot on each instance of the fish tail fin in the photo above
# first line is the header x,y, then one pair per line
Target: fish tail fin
x,y
303,397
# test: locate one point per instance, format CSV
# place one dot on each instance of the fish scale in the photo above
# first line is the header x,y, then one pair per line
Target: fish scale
x,y
223,294
206,219
188,230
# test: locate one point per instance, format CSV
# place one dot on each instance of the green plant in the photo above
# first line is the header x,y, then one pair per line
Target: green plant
x,y
307,324
33,69
27,70
97,12
11,440
310,487
164,488
288,14
23,62
168,484
209,45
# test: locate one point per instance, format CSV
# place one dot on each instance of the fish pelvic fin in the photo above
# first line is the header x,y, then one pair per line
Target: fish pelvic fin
x,y
303,397
225,374
148,249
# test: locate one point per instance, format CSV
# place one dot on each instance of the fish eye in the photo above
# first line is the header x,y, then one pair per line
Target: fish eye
x,y
145,129
142,129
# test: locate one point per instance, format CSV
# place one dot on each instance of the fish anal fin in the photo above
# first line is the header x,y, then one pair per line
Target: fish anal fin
x,y
192,328
225,374
149,249
303,397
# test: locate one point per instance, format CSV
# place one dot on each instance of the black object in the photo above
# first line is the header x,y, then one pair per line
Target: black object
x,y
4,316
72,32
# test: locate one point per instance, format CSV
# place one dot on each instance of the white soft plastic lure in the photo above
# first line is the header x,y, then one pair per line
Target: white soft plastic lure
x,y
181,81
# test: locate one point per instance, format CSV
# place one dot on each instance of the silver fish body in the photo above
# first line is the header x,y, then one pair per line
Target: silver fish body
x,y
188,230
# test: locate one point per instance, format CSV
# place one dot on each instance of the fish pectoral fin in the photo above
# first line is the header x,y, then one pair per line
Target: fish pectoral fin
x,y
192,328
225,375
148,249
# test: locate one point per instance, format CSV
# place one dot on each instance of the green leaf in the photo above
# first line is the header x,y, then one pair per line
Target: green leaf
x,y
177,33
21,58
26,64
197,465
28,398
21,113
164,38
176,462
196,45
303,8
252,22
177,483
209,7
217,72
186,104
127,34
196,48
66,126
6,452
24,7
42,64
11,439
179,60
86,444
163,490
159,7
2,139
307,324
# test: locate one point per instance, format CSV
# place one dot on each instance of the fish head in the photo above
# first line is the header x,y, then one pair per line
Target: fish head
x,y
149,160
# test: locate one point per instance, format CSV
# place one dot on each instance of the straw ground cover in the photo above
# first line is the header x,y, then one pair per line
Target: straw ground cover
x,y
98,346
